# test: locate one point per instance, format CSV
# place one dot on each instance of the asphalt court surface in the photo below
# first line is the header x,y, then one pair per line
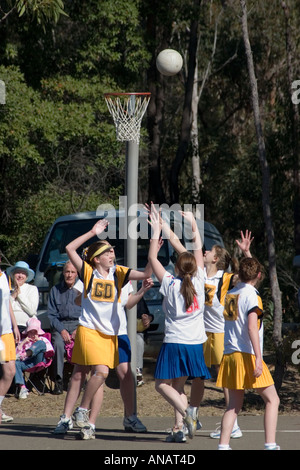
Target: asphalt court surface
x,y
113,441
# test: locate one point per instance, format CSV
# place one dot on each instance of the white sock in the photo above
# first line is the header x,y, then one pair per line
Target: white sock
x,y
223,447
235,424
1,400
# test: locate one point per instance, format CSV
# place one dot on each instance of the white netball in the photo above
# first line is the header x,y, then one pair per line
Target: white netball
x,y
169,62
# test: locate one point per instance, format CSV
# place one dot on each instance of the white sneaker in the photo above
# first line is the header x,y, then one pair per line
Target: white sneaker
x,y
23,393
64,425
87,432
81,417
275,447
190,420
235,434
5,418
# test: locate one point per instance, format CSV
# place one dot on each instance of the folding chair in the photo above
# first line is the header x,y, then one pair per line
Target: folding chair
x,y
36,371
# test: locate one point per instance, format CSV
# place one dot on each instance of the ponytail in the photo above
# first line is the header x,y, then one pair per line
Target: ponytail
x,y
224,259
186,267
187,291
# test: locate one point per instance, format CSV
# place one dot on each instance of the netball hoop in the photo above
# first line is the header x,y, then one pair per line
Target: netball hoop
x,y
127,110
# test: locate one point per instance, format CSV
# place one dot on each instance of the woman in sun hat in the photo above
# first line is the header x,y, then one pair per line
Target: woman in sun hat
x,y
24,296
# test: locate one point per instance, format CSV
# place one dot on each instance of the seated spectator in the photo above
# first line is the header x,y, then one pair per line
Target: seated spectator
x,y
30,352
63,314
24,296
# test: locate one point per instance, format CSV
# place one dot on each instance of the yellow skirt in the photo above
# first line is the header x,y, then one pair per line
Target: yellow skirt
x,y
236,372
92,347
213,349
9,347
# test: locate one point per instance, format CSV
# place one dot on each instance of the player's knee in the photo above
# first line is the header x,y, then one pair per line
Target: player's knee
x,y
100,375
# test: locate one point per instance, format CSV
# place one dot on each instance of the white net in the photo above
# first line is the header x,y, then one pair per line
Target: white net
x,y
127,111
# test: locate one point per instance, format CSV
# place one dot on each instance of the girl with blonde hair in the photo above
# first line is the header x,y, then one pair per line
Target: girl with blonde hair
x,y
96,341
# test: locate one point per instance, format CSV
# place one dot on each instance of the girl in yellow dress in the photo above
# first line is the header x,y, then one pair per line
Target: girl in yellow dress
x,y
242,366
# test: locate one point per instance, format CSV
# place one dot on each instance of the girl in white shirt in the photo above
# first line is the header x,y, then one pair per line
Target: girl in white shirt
x,y
96,342
181,355
217,283
242,366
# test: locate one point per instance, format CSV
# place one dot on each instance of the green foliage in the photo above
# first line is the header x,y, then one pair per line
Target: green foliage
x,y
38,211
61,139
41,11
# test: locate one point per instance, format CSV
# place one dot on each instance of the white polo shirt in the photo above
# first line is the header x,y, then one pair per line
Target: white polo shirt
x,y
213,311
181,326
126,291
101,299
239,302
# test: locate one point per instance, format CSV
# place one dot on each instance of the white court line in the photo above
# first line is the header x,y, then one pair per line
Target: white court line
x,y
205,431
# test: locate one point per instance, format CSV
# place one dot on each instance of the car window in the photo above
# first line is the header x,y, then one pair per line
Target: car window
x,y
64,232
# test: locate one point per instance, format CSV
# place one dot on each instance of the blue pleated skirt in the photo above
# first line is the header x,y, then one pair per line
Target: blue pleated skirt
x,y
181,360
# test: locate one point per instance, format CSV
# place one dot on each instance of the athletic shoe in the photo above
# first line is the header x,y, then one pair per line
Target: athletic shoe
x,y
64,425
87,432
275,447
199,425
191,422
5,418
235,434
139,377
176,437
81,417
133,424
23,393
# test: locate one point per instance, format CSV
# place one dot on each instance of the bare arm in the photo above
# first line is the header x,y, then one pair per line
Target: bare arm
x,y
167,231
135,298
135,275
197,242
71,248
157,267
254,337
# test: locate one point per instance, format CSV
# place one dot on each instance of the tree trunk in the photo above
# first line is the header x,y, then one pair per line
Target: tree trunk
x,y
195,141
275,290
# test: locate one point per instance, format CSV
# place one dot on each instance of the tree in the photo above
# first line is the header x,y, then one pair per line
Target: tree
x,y
42,11
275,289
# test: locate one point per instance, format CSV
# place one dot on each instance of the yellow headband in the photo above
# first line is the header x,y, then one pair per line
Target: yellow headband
x,y
100,251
